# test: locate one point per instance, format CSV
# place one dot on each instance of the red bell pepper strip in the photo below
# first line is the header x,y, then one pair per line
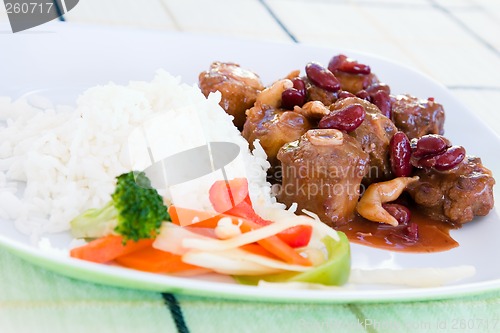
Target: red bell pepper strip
x,y
276,246
273,245
232,198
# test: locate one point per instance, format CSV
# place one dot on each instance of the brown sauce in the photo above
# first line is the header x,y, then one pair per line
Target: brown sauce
x,y
433,235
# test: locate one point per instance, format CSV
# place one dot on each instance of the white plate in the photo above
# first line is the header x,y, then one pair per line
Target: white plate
x,y
73,56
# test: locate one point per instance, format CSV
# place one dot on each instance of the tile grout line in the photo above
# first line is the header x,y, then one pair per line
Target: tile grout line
x,y
170,14
389,36
465,27
370,3
488,13
59,11
277,19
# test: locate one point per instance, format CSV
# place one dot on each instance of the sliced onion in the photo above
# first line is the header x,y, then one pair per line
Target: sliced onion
x,y
246,238
239,262
282,215
413,277
220,263
322,226
171,237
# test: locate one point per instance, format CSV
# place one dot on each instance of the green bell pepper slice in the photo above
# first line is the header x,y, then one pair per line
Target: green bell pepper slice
x,y
333,272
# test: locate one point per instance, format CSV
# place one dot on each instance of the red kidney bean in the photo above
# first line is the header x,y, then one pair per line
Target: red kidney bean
x,y
426,162
353,67
346,119
407,233
373,88
300,85
383,101
363,95
344,94
347,65
430,144
450,158
322,77
399,212
291,97
400,155
412,232
336,62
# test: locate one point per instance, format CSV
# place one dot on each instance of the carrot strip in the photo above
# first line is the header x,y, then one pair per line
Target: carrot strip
x,y
154,261
259,250
276,246
273,244
195,218
107,248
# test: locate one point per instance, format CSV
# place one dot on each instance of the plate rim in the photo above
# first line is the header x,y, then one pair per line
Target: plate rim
x,y
106,275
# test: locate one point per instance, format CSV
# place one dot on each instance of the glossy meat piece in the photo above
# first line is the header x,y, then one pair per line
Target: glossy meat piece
x,y
353,83
315,93
374,134
239,88
321,177
273,127
417,117
456,195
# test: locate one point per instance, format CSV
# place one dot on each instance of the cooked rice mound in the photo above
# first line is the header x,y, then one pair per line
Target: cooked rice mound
x,y
56,163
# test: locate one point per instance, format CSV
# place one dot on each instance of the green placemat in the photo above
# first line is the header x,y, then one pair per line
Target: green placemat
x,y
34,300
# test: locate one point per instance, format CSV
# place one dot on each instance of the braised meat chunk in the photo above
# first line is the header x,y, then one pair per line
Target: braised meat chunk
x,y
369,163
322,172
374,134
417,117
315,93
455,195
239,88
354,83
352,75
309,90
273,127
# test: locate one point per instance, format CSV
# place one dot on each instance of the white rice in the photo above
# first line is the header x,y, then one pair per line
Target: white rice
x,y
54,164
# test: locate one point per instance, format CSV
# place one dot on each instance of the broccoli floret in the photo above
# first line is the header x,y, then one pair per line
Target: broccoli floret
x,y
135,211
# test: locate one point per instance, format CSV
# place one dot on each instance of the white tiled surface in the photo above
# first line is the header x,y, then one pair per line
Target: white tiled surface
x,y
123,12
455,41
243,18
